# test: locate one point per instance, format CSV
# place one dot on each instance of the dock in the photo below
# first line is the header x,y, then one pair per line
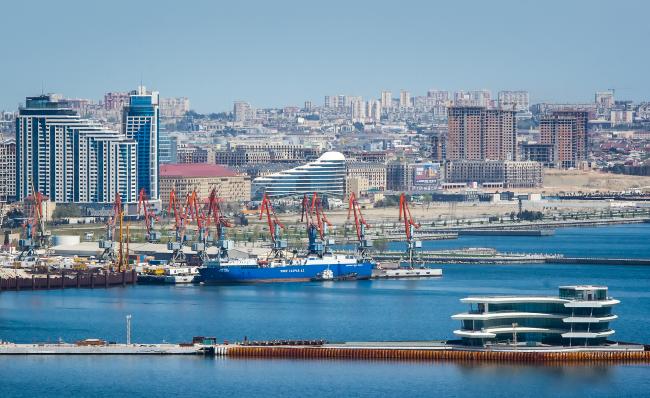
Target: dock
x,y
65,279
433,351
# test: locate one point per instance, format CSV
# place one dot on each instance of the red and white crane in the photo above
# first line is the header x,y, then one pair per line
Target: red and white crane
x,y
275,227
409,228
360,225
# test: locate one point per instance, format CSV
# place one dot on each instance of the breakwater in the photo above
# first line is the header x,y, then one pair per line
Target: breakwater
x,y
67,279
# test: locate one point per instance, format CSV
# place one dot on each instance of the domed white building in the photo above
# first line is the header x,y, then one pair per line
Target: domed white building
x,y
325,176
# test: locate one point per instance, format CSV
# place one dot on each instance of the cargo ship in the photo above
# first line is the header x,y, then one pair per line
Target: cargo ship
x,y
281,265
298,269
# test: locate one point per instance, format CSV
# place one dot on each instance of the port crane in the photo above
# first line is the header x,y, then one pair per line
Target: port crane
x,y
196,212
409,228
275,227
176,246
115,221
34,234
221,223
149,216
317,224
360,224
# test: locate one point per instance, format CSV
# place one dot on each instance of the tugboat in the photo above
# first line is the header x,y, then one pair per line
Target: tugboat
x,y
326,275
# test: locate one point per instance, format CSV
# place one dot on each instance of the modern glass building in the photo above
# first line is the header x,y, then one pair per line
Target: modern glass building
x,y
325,175
140,122
579,316
70,159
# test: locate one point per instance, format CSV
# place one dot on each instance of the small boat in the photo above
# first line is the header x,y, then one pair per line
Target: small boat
x,y
325,275
174,275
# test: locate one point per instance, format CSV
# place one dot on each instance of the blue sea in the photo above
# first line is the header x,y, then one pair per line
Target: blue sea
x,y
363,310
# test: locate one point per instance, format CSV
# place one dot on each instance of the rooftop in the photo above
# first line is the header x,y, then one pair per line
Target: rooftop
x,y
195,170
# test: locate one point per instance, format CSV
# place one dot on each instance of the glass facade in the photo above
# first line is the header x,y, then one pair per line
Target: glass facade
x,y
326,176
141,122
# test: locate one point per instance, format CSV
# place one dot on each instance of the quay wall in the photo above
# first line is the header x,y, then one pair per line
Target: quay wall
x,y
436,354
67,279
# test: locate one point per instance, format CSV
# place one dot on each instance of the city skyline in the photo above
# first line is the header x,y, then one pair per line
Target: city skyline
x,y
274,55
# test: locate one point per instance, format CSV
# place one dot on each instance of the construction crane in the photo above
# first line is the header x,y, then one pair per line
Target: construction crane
x,y
409,228
149,216
360,224
275,227
221,223
34,234
196,212
317,224
176,246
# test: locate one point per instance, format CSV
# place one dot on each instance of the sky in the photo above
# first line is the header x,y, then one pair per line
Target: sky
x,y
276,53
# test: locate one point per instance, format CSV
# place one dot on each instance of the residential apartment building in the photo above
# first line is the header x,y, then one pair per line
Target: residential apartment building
x,y
514,100
479,133
7,170
195,155
566,132
508,174
174,107
69,159
366,177
244,154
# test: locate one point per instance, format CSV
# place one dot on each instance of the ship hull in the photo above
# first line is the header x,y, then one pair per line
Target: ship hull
x,y
289,273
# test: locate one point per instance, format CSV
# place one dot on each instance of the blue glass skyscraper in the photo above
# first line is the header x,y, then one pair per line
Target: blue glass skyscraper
x,y
141,120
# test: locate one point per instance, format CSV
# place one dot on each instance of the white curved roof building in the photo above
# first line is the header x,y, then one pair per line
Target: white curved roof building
x,y
579,316
325,175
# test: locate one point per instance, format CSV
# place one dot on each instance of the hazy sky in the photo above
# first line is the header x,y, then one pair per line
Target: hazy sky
x,y
274,53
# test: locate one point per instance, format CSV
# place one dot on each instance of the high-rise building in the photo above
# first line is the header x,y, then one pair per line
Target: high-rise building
x,y
167,147
7,170
115,101
514,100
174,107
69,159
308,106
140,122
566,131
386,100
242,111
440,96
331,101
473,98
358,109
404,99
479,133
604,99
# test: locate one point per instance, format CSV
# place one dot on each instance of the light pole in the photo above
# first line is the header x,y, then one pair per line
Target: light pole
x,y
128,329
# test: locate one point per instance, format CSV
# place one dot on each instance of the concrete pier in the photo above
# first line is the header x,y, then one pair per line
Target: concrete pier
x,y
390,351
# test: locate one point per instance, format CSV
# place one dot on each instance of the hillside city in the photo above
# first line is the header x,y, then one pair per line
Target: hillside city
x,y
448,145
